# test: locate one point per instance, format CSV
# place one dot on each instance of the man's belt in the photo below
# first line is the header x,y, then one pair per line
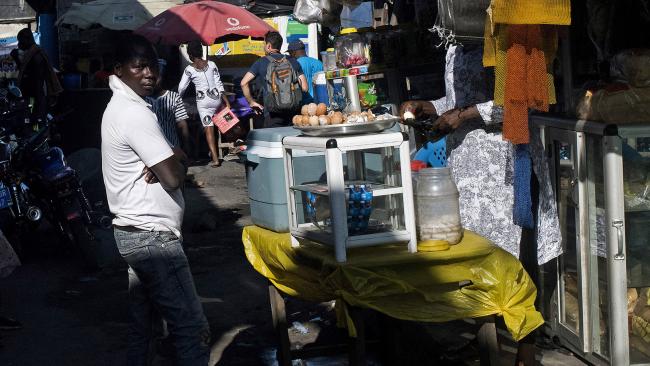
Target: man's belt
x,y
131,229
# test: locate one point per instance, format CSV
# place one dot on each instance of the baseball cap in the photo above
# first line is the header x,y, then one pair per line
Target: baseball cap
x,y
295,46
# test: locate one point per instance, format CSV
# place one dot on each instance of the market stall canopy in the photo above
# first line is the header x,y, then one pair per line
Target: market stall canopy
x,y
265,8
115,14
209,21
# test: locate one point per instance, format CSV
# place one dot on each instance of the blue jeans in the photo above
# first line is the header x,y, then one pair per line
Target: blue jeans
x,y
160,278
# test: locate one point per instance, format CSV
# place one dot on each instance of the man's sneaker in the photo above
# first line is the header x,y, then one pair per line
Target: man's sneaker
x,y
9,324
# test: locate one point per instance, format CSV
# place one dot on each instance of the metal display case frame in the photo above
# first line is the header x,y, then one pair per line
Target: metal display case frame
x,y
574,149
397,188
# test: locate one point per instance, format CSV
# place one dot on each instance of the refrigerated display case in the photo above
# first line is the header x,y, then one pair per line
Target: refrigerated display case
x,y
600,301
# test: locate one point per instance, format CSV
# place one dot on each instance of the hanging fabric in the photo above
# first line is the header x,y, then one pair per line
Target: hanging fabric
x,y
557,12
525,82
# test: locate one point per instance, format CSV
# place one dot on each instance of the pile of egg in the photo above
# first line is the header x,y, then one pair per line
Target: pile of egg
x,y
316,115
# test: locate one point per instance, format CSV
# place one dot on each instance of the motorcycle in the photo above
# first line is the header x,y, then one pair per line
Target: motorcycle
x,y
40,184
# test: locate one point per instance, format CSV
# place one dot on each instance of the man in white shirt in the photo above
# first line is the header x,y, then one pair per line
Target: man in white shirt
x,y
143,177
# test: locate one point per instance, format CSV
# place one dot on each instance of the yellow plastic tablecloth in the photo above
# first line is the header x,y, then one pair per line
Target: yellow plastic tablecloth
x,y
422,287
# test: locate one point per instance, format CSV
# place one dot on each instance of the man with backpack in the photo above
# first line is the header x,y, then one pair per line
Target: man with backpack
x,y
281,81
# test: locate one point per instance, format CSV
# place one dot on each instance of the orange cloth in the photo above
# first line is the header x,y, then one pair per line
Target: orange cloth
x,y
526,84
495,55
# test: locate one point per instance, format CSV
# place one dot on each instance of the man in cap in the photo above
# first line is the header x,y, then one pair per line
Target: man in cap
x,y
310,66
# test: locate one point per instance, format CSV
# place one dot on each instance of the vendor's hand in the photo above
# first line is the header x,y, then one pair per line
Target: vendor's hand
x,y
149,176
448,122
452,119
258,108
418,108
413,106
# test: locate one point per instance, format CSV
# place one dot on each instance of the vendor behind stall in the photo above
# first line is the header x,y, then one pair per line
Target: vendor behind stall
x,y
482,163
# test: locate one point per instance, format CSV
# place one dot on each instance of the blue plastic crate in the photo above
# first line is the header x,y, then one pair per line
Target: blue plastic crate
x,y
434,153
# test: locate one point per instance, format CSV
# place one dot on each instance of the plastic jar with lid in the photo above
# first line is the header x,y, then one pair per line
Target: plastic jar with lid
x,y
438,212
350,49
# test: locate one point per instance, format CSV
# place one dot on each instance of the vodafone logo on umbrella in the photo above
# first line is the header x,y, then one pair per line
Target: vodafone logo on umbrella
x,y
234,22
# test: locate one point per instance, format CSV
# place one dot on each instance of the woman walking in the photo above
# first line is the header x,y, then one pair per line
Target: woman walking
x,y
209,93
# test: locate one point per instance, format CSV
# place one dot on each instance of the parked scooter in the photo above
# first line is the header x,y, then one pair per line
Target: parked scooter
x,y
41,184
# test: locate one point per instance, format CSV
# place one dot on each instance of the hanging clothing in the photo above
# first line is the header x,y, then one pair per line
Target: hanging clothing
x,y
530,12
208,89
482,162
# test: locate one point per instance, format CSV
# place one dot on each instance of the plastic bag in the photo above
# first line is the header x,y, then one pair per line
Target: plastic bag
x,y
625,105
308,11
632,67
463,19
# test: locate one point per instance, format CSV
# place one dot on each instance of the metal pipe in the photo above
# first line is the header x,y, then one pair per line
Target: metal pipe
x,y
616,264
352,93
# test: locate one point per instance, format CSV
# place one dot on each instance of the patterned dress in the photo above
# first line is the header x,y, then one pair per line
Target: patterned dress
x,y
482,162
208,89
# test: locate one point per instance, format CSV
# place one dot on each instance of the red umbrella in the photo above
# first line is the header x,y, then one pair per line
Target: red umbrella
x,y
210,21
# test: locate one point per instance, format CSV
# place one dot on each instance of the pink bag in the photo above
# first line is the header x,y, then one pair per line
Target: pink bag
x,y
225,120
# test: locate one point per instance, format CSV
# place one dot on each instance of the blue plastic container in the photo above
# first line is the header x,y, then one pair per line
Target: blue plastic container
x,y
267,191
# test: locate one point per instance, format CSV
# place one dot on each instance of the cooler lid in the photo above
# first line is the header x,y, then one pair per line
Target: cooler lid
x,y
272,134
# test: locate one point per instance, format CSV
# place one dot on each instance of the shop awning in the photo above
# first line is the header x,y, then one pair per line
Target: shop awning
x,y
115,14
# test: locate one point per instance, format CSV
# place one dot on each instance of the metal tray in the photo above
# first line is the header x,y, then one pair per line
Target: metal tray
x,y
348,128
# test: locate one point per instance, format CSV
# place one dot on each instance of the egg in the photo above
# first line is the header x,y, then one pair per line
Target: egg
x,y
336,119
311,109
352,118
321,109
304,111
323,120
297,120
339,115
305,120
409,115
313,121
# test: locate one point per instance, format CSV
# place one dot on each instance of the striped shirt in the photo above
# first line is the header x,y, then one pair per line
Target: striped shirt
x,y
169,109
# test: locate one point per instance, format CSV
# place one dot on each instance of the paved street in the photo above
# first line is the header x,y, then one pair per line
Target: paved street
x,y
73,318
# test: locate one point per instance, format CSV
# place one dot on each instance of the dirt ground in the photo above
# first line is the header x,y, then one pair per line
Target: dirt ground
x,y
72,317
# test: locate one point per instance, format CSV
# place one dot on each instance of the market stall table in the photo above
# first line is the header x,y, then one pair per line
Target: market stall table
x,y
473,279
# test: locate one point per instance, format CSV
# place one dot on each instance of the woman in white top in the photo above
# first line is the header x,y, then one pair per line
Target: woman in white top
x,y
209,92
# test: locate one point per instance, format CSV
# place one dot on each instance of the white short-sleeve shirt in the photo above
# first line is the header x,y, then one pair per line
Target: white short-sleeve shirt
x,y
131,140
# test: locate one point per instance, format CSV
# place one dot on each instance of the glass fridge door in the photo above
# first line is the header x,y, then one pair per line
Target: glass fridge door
x,y
599,304
636,189
568,157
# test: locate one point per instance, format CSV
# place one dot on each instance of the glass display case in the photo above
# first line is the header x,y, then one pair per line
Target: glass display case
x,y
600,305
364,199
